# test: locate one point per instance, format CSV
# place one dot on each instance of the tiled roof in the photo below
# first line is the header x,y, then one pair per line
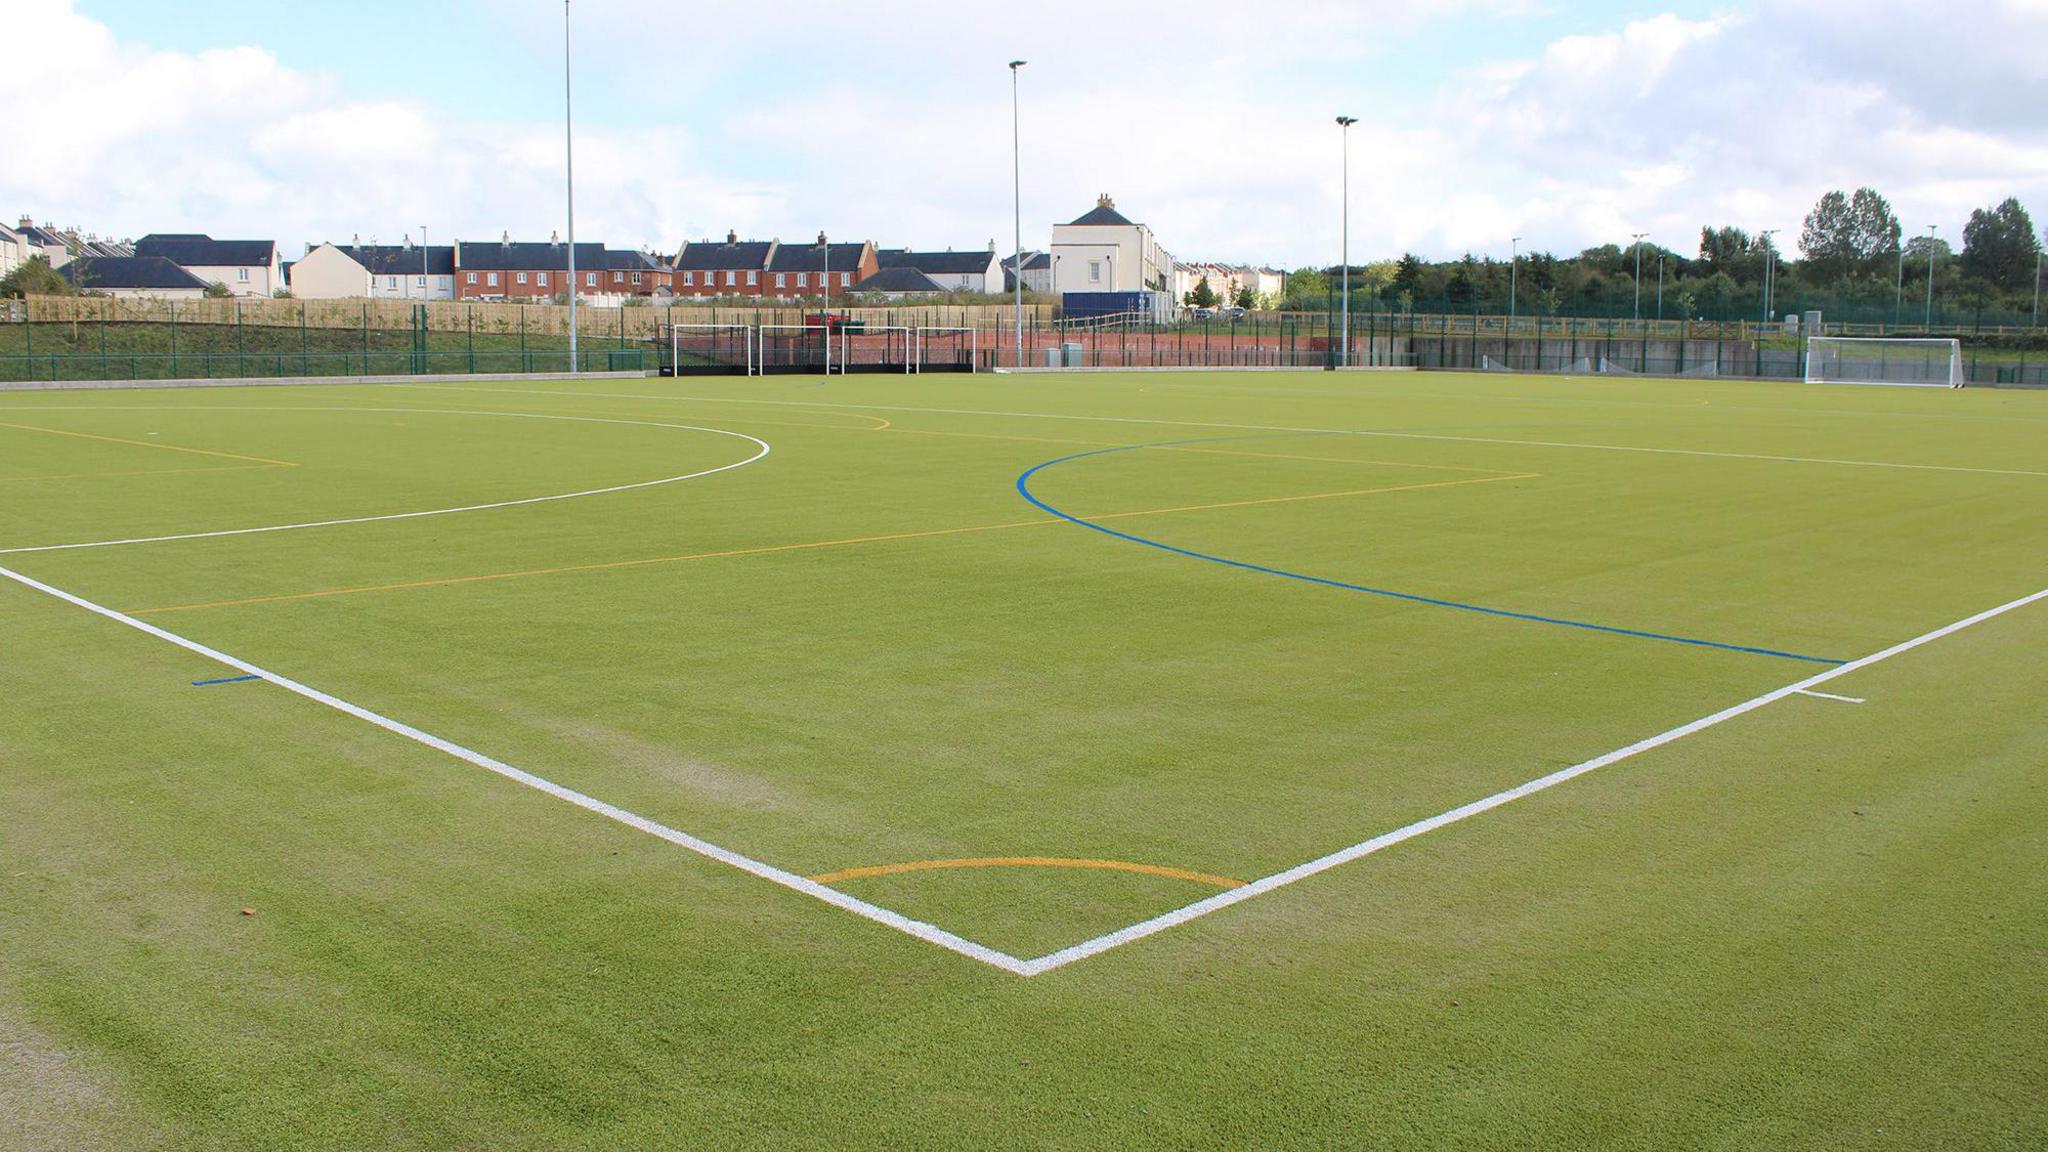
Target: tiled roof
x,y
899,279
129,272
194,250
937,263
811,258
708,255
401,260
523,256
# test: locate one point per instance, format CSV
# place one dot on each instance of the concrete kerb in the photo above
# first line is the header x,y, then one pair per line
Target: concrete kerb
x,y
283,381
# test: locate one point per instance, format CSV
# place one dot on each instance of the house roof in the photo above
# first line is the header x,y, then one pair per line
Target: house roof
x,y
1104,215
900,279
523,256
400,259
811,257
632,260
130,272
43,237
708,255
196,250
937,263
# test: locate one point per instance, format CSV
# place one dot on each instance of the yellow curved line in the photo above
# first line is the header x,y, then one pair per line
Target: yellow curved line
x,y
1027,862
151,444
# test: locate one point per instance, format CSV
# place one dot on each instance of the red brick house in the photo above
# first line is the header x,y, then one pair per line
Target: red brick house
x,y
526,271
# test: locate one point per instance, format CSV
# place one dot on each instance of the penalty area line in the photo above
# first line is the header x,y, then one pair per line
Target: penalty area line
x,y
1260,887
930,934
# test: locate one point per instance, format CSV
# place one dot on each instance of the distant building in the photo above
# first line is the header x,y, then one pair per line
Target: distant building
x,y
734,268
898,283
629,273
798,270
244,267
14,250
1104,251
134,277
524,270
952,271
375,271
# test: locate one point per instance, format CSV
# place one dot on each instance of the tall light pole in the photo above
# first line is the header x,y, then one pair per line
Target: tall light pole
x,y
1638,238
1017,201
1770,266
2037,286
1514,271
426,277
825,252
1928,322
1660,287
569,144
1345,123
1899,289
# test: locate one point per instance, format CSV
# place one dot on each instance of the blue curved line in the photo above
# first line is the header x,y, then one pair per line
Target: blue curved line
x,y
1024,490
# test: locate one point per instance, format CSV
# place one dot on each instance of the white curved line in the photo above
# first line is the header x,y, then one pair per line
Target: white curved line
x,y
763,444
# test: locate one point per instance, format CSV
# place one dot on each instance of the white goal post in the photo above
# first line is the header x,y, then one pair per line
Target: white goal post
x,y
1918,362
711,348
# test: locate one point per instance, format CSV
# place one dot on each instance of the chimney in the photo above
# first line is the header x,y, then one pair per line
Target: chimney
x,y
27,221
1103,201
555,238
732,237
505,240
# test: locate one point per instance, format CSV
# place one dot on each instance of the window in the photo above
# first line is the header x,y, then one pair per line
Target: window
x,y
731,279
391,283
618,276
472,278
494,280
782,279
636,277
242,274
540,279
591,280
689,279
1095,271
422,281
803,279
753,277
522,277
845,279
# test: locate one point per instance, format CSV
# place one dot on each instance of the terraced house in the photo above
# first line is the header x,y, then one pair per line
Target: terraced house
x,y
525,270
734,268
243,267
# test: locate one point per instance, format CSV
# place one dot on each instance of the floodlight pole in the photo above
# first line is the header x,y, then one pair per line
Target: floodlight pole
x,y
2037,287
569,143
1660,287
426,277
1770,262
1345,123
1899,289
1638,238
825,248
1017,202
1514,271
1927,322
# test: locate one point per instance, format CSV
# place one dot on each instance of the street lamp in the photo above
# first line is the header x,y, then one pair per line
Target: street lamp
x,y
1514,270
1017,201
569,173
2037,288
1345,123
1928,322
1638,238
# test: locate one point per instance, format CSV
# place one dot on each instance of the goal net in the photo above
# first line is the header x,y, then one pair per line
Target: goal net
x,y
710,349
946,350
1927,363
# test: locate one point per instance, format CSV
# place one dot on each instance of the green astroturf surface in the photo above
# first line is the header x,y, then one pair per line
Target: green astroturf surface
x,y
1820,924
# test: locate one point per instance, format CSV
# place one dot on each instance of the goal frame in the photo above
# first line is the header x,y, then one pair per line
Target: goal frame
x,y
1815,374
747,344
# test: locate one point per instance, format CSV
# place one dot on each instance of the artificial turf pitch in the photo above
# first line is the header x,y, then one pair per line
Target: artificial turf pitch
x,y
1121,643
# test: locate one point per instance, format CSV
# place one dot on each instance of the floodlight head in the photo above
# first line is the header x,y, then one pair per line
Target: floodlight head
x,y
1016,64
1346,121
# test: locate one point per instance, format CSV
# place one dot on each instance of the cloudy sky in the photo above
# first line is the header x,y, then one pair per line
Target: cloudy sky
x,y
1565,124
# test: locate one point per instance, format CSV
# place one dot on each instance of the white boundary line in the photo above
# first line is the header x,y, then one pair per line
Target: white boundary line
x,y
1832,696
1249,428
761,444
768,872
1223,900
960,944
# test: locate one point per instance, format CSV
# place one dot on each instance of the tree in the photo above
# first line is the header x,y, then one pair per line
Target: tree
x,y
1203,296
1826,238
281,294
1999,246
1873,230
1727,250
34,277
1408,276
217,291
1307,288
1245,298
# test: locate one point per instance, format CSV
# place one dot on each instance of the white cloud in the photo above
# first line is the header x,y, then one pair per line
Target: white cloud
x,y
1213,124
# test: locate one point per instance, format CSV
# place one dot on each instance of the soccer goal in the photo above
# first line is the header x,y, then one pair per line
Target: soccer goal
x,y
947,350
1925,363
710,350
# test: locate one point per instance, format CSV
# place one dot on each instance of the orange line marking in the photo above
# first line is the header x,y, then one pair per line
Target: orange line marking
x,y
151,444
1028,862
610,565
145,472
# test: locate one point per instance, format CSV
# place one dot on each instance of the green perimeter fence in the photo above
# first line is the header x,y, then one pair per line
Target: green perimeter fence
x,y
74,339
